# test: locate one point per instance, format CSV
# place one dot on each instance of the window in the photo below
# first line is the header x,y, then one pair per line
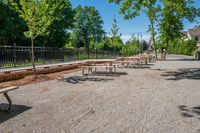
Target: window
x,y
196,38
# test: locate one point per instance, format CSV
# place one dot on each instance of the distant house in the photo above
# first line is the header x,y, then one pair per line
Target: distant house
x,y
194,34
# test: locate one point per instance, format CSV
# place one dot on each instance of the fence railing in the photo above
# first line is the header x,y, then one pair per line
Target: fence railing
x,y
15,56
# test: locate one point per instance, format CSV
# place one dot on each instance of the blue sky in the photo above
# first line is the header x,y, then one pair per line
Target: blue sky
x,y
127,27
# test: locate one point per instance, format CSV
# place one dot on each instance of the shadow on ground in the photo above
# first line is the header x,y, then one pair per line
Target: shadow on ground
x,y
102,73
190,111
161,70
144,66
135,67
189,73
15,110
80,79
181,60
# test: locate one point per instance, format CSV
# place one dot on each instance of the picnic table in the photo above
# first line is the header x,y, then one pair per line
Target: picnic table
x,y
135,60
92,66
132,60
5,91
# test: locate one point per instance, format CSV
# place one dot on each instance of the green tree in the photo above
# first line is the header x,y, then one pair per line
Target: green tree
x,y
131,47
59,29
181,47
171,21
38,16
115,35
88,25
133,8
11,25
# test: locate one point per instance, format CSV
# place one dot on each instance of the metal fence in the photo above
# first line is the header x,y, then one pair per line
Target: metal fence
x,y
16,56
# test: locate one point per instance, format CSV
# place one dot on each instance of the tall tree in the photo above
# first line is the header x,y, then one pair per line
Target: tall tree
x,y
115,35
133,8
11,25
88,25
59,29
171,21
38,16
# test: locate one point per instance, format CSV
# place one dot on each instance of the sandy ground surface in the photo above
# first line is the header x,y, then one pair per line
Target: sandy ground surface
x,y
163,97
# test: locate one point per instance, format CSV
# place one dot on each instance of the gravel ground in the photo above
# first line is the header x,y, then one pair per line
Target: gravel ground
x,y
163,97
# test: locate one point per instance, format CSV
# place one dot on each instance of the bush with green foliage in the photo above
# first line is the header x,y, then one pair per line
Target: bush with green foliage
x,y
181,47
130,48
134,47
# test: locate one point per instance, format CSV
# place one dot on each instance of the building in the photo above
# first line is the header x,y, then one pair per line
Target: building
x,y
194,34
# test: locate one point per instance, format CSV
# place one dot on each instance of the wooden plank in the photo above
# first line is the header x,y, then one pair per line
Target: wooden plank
x,y
5,90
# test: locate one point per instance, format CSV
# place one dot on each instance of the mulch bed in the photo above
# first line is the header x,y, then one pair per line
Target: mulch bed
x,y
40,78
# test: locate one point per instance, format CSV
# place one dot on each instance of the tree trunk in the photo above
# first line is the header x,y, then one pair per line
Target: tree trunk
x,y
162,53
96,53
33,58
87,46
114,51
88,52
77,53
153,38
165,52
166,49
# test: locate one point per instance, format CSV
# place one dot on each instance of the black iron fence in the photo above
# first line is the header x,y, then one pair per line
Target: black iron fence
x,y
15,56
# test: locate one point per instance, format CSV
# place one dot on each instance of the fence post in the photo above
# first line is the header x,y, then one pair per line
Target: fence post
x,y
14,54
43,54
77,53
96,53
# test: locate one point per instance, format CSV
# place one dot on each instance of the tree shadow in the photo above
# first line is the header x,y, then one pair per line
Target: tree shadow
x,y
81,79
110,74
182,59
144,66
190,111
15,110
136,67
161,70
189,73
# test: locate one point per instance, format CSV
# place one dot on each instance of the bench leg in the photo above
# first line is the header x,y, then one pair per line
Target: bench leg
x,y
115,69
83,72
90,70
146,61
9,102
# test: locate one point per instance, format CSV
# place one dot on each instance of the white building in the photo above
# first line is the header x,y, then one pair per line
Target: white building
x,y
194,34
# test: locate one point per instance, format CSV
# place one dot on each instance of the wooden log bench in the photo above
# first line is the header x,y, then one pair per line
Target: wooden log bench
x,y
5,91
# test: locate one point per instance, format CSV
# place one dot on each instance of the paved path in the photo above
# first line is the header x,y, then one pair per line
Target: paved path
x,y
179,57
161,98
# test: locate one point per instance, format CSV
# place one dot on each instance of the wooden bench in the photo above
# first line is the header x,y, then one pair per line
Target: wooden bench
x,y
4,91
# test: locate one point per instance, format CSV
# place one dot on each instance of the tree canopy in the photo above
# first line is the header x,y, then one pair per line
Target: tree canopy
x,y
171,21
11,25
59,29
133,8
88,25
38,16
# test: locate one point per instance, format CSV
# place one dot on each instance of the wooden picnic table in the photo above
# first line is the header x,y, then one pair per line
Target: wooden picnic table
x,y
5,91
93,65
133,60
